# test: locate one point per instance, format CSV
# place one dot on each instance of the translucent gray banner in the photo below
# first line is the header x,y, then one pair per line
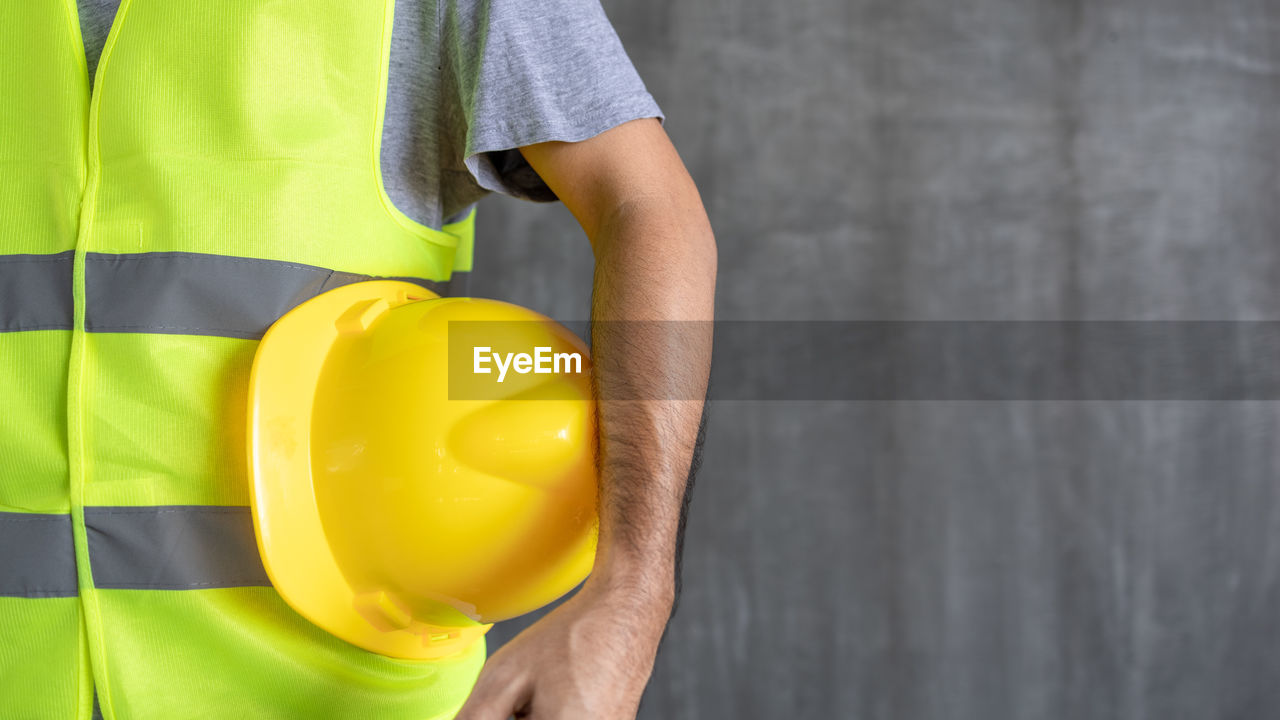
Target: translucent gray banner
x,y
963,360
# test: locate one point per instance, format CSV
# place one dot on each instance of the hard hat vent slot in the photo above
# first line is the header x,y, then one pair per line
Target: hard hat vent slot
x,y
382,610
361,316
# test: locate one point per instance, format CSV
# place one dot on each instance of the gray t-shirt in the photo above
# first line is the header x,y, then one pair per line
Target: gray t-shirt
x,y
470,81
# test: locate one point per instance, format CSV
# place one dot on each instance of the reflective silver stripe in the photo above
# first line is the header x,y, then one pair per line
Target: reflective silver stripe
x,y
37,558
173,547
35,292
181,293
459,285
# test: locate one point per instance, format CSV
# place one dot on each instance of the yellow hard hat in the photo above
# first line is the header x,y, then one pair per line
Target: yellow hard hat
x,y
396,518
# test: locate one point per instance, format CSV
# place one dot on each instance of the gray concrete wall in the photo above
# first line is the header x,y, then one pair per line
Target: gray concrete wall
x,y
980,159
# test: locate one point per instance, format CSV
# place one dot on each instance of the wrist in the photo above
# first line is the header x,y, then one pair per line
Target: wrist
x,y
644,582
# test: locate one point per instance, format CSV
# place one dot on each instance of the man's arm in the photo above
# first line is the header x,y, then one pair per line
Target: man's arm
x,y
655,262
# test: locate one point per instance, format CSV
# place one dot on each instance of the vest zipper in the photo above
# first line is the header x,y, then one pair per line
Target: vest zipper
x,y
78,366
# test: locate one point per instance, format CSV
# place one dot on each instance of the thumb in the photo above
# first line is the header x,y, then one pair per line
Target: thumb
x,y
497,695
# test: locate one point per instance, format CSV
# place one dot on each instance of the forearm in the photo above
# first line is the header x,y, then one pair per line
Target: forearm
x,y
651,345
651,353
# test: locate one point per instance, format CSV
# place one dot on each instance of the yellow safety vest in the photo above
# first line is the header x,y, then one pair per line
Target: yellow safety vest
x,y
224,169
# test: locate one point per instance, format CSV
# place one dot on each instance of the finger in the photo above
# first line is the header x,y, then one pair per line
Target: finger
x,y
497,695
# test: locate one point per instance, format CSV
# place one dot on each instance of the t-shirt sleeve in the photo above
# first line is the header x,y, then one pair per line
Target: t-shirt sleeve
x,y
530,72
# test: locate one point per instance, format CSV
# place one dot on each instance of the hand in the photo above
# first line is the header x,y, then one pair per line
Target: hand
x,y
589,658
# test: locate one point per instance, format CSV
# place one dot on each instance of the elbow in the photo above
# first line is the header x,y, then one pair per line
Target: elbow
x,y
703,251
673,225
